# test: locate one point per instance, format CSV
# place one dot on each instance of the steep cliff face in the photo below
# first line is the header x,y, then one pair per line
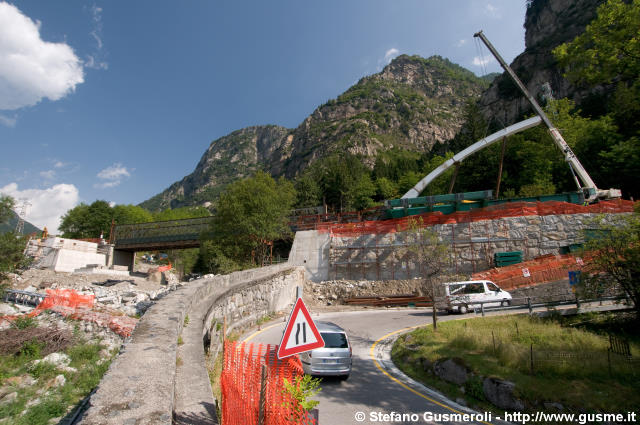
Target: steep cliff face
x,y
228,158
414,103
548,23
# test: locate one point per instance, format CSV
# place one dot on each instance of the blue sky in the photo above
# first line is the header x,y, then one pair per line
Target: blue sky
x,y
117,100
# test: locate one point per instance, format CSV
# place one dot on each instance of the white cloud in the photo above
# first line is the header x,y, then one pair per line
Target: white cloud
x,y
96,60
461,43
112,176
492,11
48,175
387,58
30,68
482,61
47,205
8,121
59,164
390,54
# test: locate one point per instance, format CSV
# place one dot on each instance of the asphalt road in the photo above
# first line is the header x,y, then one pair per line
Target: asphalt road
x,y
374,388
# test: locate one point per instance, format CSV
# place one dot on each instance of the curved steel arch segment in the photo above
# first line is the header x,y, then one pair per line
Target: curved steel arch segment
x,y
460,156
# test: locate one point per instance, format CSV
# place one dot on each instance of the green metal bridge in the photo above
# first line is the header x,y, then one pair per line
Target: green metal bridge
x,y
160,235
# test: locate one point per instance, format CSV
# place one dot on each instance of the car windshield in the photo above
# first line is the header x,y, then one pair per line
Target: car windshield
x,y
334,340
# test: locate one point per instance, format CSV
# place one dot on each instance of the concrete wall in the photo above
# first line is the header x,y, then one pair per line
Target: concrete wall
x,y
64,255
311,250
156,381
385,256
69,260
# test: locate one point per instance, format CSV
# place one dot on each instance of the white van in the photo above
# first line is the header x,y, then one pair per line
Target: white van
x,y
462,296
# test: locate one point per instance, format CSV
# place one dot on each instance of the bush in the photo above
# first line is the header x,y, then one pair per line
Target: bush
x,y
24,322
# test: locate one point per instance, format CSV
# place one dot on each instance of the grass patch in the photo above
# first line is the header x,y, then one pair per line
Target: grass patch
x,y
265,319
24,322
34,383
569,363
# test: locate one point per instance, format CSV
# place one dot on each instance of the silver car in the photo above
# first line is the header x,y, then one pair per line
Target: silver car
x,y
334,359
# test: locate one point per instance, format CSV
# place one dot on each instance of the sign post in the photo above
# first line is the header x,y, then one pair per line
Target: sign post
x,y
300,334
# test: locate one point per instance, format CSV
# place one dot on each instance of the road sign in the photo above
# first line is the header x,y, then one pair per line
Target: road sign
x,y
301,334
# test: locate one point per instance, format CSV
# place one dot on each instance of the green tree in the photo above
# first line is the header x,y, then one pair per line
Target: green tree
x,y
386,189
609,48
361,193
87,221
474,127
309,193
6,208
130,214
608,52
408,180
615,262
441,184
12,258
11,245
250,214
180,213
429,254
336,175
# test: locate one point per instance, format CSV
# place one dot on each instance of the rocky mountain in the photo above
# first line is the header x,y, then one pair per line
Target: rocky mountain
x,y
413,103
548,23
10,225
228,158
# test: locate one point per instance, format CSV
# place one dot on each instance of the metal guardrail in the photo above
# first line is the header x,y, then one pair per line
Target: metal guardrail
x,y
531,305
23,297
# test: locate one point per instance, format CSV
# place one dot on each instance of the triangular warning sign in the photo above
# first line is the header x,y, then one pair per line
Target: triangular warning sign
x,y
301,334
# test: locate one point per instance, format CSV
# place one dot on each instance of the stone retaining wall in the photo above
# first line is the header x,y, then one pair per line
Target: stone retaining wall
x,y
384,256
155,380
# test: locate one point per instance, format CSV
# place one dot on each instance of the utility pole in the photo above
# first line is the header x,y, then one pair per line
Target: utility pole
x,y
22,213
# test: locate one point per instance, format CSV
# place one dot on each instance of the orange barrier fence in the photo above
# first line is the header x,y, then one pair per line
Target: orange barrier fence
x,y
548,268
493,212
241,382
161,268
69,303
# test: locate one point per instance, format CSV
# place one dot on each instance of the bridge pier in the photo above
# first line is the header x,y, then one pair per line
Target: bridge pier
x,y
122,258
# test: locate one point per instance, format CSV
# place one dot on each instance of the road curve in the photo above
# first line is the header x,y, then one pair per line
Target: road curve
x,y
375,387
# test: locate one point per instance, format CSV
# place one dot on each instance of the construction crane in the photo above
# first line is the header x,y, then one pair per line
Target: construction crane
x,y
588,187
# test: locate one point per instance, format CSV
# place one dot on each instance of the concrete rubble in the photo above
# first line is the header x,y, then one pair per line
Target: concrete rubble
x,y
131,295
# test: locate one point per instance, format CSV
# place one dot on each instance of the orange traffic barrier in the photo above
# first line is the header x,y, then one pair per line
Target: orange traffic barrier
x,y
241,383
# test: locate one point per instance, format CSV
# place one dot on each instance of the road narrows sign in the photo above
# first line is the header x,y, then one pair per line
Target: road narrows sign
x,y
300,334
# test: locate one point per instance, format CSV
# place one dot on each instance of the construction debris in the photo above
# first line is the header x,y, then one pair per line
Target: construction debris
x,y
391,301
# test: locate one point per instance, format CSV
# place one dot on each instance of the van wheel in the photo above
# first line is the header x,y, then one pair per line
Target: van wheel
x,y
505,303
463,309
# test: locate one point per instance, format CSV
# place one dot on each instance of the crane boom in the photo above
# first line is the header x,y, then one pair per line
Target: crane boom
x,y
589,188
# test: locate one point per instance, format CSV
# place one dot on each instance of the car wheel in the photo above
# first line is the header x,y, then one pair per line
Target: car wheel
x,y
343,377
505,303
463,309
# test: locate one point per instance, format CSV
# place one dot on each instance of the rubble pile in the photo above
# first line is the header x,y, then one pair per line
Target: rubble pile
x,y
131,295
333,292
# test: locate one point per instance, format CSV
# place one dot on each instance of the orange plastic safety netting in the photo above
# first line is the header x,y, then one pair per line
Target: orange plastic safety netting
x,y
544,269
515,209
69,303
241,381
